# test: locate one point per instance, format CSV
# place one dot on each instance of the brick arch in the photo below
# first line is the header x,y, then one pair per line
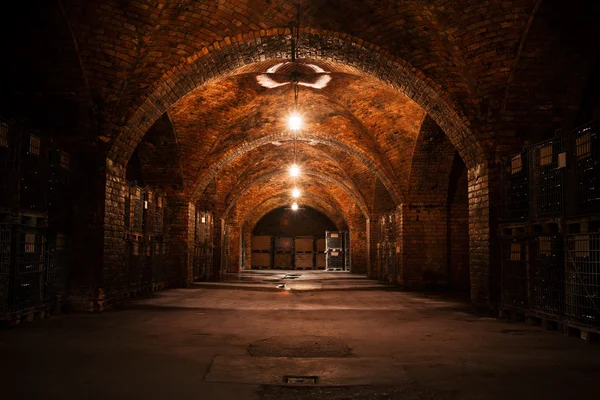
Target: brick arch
x,y
220,60
313,159
272,203
354,194
431,164
352,150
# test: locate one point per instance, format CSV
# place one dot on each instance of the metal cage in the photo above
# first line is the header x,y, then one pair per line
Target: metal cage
x,y
583,194
515,260
583,279
515,203
547,275
548,160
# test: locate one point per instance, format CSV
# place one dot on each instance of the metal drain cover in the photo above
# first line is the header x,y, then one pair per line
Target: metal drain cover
x,y
300,380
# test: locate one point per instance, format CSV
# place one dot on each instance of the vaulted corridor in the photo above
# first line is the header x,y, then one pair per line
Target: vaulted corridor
x,y
323,199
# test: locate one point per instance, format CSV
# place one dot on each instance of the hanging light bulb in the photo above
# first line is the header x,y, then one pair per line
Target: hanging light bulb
x,y
295,207
295,122
295,193
294,171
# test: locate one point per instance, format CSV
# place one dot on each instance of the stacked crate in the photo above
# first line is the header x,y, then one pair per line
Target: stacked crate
x,y
321,257
305,252
387,263
31,259
134,217
515,258
583,279
9,176
283,252
334,251
551,269
548,162
547,276
261,252
515,188
5,262
159,241
584,178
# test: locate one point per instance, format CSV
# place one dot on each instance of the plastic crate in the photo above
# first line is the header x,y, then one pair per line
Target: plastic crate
x,y
583,279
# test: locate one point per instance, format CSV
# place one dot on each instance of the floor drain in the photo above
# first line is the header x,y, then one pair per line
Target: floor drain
x,y
300,380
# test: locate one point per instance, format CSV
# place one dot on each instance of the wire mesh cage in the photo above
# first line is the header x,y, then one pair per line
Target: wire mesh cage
x,y
583,195
334,240
9,176
160,250
284,244
57,271
34,171
583,279
160,215
134,262
31,251
347,260
547,275
391,272
5,246
149,212
28,291
382,260
335,260
204,227
147,255
134,209
515,203
548,160
515,260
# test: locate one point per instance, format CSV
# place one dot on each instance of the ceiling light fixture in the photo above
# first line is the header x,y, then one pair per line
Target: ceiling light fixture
x,y
295,122
295,193
294,171
295,207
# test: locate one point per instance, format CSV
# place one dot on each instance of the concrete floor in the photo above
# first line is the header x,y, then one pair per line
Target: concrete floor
x,y
223,343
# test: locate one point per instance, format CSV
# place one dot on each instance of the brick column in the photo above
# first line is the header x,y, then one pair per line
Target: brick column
x,y
371,236
86,260
424,248
484,267
181,235
235,249
358,244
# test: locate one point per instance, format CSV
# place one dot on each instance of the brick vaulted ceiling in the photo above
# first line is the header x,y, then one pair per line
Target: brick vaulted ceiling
x,y
478,70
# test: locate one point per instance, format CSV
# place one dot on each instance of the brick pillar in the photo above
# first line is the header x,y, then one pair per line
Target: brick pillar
x,y
424,244
358,244
86,260
248,247
399,245
181,235
371,234
484,267
235,249
217,247
114,279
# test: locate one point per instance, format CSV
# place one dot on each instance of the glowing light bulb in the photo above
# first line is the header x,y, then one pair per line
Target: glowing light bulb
x,y
295,122
294,170
296,193
295,207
